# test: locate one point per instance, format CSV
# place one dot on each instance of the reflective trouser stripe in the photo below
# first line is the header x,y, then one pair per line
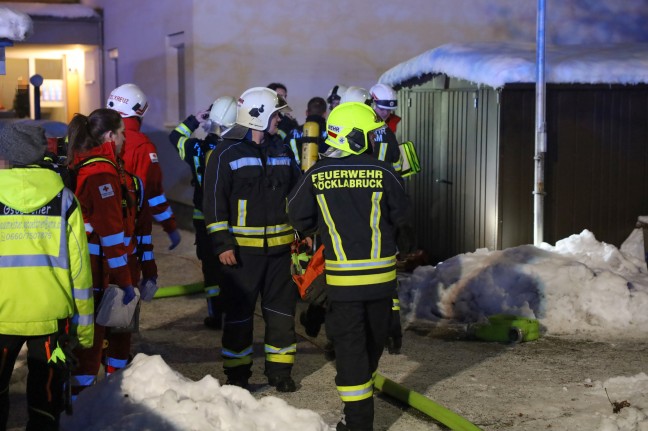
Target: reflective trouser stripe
x,y
285,355
395,304
356,393
212,291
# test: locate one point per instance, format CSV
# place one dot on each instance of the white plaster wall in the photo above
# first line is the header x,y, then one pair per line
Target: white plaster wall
x,y
312,45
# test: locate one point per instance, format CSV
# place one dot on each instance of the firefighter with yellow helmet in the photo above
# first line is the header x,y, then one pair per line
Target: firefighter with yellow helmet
x,y
358,205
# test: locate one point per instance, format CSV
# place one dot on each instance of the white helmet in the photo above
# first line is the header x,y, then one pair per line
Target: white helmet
x,y
336,93
356,94
223,111
128,100
256,105
384,96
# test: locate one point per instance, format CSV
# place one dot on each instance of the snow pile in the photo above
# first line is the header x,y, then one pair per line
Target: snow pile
x,y
578,286
497,64
150,395
14,25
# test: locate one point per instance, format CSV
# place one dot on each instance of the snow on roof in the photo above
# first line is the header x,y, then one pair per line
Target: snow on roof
x,y
497,64
53,10
14,25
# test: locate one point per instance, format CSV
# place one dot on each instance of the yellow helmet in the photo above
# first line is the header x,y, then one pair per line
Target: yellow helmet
x,y
348,126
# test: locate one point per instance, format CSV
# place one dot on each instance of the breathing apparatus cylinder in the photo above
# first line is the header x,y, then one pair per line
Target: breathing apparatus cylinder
x,y
310,145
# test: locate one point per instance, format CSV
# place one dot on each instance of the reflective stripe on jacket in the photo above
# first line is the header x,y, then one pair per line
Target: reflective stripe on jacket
x,y
355,203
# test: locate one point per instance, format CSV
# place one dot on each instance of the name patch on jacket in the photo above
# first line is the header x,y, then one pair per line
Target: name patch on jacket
x,y
153,157
106,191
352,178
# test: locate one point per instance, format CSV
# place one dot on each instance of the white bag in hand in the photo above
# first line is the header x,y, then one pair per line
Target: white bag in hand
x,y
112,311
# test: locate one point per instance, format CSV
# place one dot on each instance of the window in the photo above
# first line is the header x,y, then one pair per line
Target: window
x,y
176,96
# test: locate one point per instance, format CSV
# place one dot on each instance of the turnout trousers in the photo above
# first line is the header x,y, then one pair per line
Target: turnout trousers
x,y
210,269
44,382
358,330
269,276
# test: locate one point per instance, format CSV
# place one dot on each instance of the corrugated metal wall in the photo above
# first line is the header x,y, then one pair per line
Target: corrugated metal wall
x,y
455,131
476,148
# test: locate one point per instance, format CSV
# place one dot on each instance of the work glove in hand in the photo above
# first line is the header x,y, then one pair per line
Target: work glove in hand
x,y
62,357
129,294
174,237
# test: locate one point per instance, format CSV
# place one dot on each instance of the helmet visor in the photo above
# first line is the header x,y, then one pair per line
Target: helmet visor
x,y
282,105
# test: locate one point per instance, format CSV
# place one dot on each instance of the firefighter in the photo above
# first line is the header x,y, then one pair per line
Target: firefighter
x,y
315,111
335,95
109,208
286,121
140,158
386,147
247,180
357,204
385,103
221,115
45,278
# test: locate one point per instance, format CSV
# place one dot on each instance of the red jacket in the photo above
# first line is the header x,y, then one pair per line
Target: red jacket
x,y
392,122
140,158
110,230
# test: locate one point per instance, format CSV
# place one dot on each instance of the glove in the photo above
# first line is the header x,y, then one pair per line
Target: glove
x,y
174,237
62,356
129,294
202,115
148,287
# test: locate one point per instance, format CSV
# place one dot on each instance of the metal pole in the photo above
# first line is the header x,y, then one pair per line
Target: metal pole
x,y
541,132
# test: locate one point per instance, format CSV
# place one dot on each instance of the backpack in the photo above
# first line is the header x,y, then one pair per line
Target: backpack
x,y
73,173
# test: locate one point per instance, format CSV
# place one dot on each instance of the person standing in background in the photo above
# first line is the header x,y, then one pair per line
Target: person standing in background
x,y
220,116
315,122
335,95
385,103
45,278
286,121
140,158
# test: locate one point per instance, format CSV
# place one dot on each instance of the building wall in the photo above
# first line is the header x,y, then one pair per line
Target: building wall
x,y
312,45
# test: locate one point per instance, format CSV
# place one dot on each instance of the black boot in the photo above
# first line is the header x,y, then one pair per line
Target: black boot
x,y
215,321
282,383
329,351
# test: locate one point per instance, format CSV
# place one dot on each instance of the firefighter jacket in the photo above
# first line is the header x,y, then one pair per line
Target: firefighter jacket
x,y
386,148
110,227
193,151
246,185
356,203
44,263
140,158
295,139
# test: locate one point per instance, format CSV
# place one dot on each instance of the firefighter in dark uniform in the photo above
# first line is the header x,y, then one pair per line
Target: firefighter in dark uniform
x,y
386,147
247,181
315,111
222,113
358,205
